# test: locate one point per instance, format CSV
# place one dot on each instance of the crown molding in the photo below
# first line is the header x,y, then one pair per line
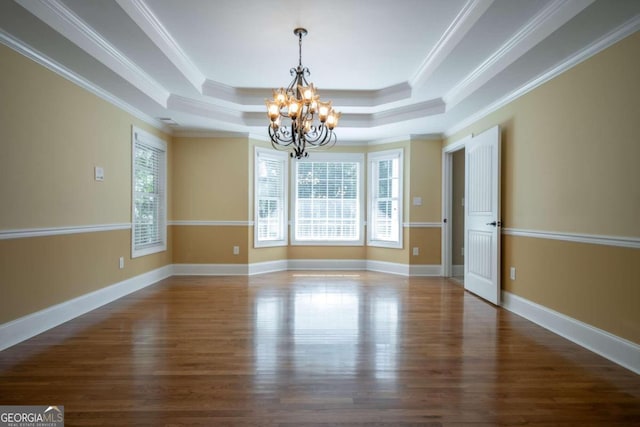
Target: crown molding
x,y
461,24
408,112
210,134
545,22
205,109
344,98
74,78
56,14
614,36
369,120
144,17
426,137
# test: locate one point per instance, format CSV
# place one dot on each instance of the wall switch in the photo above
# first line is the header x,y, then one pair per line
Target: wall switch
x,y
121,262
416,251
417,201
512,273
98,173
236,250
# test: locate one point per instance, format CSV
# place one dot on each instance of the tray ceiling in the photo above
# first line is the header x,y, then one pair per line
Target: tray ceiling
x,y
394,68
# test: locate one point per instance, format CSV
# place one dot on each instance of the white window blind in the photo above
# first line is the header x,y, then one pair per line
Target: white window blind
x,y
328,199
270,198
149,197
385,194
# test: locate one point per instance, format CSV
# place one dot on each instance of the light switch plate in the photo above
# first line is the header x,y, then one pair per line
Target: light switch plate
x,y
417,201
99,173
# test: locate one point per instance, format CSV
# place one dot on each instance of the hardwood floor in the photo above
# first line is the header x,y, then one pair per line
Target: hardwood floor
x,y
311,348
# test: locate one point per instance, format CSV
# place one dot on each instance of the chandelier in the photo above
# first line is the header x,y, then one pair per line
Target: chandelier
x,y
293,112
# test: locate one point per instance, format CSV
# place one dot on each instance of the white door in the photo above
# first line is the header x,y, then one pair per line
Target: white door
x,y
482,216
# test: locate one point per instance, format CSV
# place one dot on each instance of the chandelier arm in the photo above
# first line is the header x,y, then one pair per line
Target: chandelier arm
x,y
301,134
318,135
279,137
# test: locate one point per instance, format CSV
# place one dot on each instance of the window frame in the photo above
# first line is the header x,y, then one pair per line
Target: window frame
x,y
358,158
280,157
373,163
139,136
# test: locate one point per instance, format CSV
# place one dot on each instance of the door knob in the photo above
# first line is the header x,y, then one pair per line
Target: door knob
x,y
495,223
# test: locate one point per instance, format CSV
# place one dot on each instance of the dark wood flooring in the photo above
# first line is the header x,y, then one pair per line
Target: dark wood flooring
x,y
314,348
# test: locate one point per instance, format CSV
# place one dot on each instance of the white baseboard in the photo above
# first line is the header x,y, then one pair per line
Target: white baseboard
x,y
305,264
388,267
210,269
326,264
425,270
33,324
623,352
457,270
267,267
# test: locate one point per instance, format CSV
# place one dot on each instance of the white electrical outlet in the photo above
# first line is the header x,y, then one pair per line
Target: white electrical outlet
x,y
512,273
121,262
236,250
416,251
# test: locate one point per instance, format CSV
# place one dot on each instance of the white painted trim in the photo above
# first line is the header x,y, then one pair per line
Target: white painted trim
x,y
227,117
326,264
142,15
267,267
62,19
56,231
345,98
422,225
457,270
387,267
619,350
31,53
210,269
215,134
595,239
550,18
614,36
425,270
26,327
373,161
143,140
199,223
461,24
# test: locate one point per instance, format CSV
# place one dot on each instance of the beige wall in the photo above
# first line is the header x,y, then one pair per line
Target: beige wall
x,y
425,181
52,134
198,161
570,164
211,179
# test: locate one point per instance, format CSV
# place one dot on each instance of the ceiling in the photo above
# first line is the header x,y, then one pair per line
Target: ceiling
x,y
394,68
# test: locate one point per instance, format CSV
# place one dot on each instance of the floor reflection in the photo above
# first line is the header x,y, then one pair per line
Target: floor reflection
x,y
326,327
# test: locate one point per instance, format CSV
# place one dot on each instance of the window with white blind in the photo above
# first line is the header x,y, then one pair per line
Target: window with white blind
x,y
328,193
270,190
385,199
149,207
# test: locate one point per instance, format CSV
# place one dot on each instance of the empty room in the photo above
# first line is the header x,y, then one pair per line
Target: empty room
x,y
290,213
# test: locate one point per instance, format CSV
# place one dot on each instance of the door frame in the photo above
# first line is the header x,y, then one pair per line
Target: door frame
x,y
447,200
